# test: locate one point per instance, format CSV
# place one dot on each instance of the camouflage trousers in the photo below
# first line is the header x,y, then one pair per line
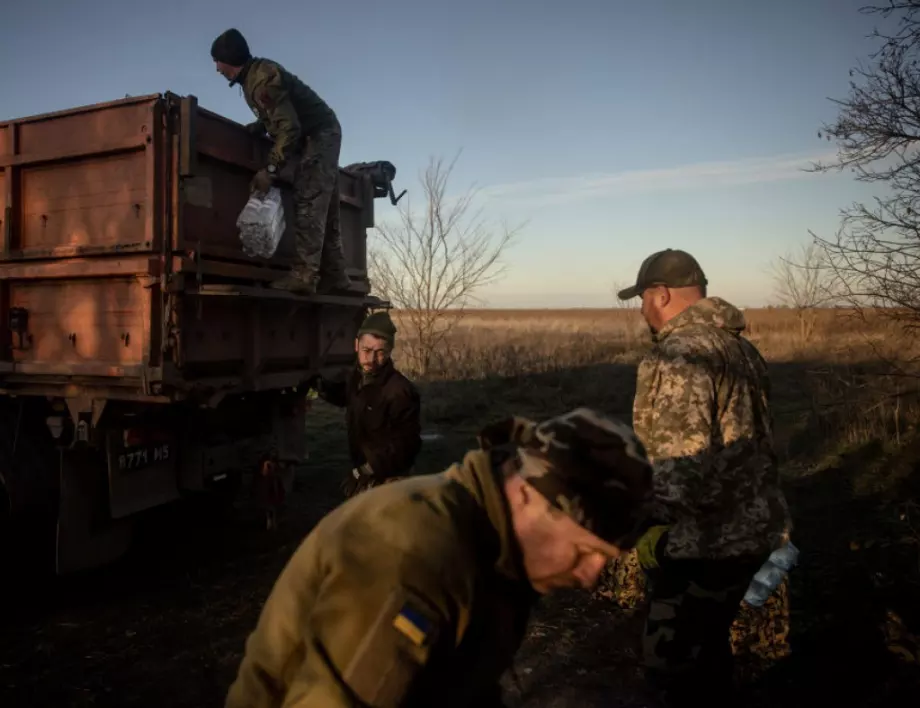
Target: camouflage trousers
x,y
317,225
686,644
759,636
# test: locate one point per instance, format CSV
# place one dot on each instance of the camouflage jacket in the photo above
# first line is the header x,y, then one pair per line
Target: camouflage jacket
x,y
413,593
702,410
288,108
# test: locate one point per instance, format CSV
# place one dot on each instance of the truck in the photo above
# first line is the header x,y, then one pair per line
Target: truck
x,y
144,357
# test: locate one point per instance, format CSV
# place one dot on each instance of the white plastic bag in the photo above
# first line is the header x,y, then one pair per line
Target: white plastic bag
x,y
262,224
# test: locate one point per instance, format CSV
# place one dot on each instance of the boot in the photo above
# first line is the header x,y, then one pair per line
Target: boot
x,y
331,282
297,282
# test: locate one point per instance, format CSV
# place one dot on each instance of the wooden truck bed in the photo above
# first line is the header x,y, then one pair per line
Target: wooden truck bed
x,y
121,270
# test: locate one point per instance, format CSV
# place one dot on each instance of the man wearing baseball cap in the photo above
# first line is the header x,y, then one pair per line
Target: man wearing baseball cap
x,y
418,593
702,411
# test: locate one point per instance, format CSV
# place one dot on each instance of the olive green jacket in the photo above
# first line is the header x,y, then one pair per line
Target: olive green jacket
x,y
410,594
288,108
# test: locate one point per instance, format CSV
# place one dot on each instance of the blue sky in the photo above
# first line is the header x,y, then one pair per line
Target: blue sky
x,y
613,128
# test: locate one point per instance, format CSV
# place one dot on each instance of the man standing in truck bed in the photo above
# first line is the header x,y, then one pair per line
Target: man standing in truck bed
x,y
304,128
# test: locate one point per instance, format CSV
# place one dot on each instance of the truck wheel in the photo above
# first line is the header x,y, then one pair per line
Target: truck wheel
x,y
29,489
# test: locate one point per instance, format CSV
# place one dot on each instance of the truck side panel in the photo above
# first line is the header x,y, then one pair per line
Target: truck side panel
x,y
121,258
100,202
98,324
82,182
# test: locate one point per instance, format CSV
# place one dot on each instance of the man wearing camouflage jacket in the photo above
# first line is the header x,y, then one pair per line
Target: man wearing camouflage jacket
x,y
702,412
418,593
306,132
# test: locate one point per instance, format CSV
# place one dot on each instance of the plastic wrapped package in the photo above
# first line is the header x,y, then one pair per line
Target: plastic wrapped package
x,y
262,224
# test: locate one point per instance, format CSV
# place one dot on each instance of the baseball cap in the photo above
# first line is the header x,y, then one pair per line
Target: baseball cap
x,y
592,468
671,267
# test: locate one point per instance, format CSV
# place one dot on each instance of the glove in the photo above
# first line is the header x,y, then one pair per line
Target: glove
x,y
315,382
262,182
650,548
255,128
360,479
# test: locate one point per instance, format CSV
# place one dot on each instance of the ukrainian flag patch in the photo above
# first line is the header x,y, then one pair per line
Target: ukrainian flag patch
x,y
413,624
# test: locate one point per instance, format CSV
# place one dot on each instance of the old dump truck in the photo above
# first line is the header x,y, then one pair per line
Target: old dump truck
x,y
143,357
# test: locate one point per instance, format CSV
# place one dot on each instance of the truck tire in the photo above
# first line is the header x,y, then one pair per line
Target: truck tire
x,y
29,464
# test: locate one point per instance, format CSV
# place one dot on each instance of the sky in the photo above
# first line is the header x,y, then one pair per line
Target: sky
x,y
609,129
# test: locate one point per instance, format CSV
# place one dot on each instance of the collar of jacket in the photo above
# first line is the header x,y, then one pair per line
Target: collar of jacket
x,y
707,312
379,379
241,77
481,473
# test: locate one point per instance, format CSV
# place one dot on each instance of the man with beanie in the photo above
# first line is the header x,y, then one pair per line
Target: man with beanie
x,y
307,137
419,593
702,411
382,409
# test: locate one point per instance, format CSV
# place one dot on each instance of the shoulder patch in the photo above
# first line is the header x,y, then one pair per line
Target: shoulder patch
x,y
393,651
265,98
413,624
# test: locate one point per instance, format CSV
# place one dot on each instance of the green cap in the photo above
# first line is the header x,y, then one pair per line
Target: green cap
x,y
589,466
380,325
671,268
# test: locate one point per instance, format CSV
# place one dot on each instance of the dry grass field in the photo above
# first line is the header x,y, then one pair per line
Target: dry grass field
x,y
846,410
167,625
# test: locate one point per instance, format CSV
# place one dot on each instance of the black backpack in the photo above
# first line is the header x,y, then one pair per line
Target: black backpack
x,y
382,174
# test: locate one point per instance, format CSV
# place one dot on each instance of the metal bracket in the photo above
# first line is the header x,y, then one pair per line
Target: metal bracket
x,y
188,152
394,200
19,324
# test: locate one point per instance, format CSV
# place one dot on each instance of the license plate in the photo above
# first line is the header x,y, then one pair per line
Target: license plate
x,y
136,458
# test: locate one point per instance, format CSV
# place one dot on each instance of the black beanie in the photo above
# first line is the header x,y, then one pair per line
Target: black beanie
x,y
231,48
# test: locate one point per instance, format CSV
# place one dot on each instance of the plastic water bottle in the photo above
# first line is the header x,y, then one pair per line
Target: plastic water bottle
x,y
771,574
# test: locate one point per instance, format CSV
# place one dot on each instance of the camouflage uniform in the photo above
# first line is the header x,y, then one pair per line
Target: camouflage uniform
x,y
759,635
625,581
702,412
415,593
302,126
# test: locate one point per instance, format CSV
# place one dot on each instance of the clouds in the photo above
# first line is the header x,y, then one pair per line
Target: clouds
x,y
702,175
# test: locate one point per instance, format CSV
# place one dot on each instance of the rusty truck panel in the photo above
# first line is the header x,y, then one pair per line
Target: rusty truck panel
x,y
82,181
144,358
121,265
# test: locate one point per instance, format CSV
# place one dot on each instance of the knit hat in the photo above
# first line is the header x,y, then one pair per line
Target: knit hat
x,y
590,467
380,325
231,48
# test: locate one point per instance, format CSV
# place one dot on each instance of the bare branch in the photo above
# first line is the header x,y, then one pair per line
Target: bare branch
x,y
872,263
803,281
432,265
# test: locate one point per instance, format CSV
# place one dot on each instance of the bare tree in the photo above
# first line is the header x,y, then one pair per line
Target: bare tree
x,y
803,282
432,264
874,258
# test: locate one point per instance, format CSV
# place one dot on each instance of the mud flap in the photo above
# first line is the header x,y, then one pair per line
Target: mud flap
x,y
87,536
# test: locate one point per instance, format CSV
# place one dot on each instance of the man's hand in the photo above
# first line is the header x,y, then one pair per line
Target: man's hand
x,y
650,548
358,480
262,182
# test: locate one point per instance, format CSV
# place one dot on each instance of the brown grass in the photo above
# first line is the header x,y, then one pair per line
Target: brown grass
x,y
843,375
168,625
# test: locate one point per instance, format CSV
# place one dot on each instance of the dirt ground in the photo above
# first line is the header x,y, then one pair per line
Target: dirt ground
x,y
166,626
